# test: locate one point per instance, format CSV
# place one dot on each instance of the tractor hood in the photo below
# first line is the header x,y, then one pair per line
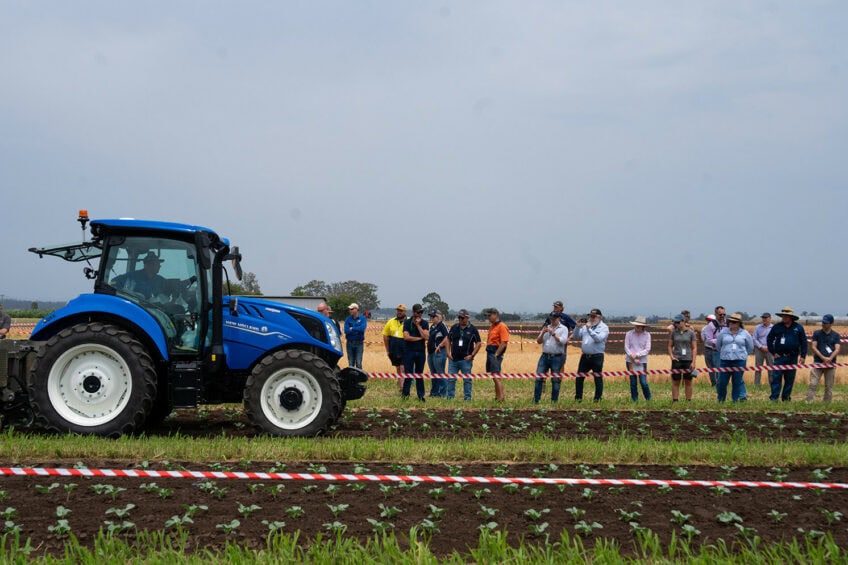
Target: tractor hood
x,y
256,326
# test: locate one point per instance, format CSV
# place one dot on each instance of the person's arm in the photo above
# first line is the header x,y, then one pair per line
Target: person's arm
x,y
749,343
476,349
599,333
671,346
802,337
386,337
770,339
542,333
444,344
815,348
423,329
628,345
448,344
694,349
645,352
832,357
504,340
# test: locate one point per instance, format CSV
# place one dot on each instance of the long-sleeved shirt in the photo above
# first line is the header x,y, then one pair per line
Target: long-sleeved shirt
x,y
760,335
593,339
555,345
637,346
787,342
734,346
355,328
710,332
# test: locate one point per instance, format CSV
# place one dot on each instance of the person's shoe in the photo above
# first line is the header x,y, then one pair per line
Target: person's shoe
x,y
422,399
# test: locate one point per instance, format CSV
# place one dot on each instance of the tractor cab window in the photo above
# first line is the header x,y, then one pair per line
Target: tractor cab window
x,y
162,276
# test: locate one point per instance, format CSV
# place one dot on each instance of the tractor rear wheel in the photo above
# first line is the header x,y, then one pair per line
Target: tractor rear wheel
x,y
292,393
92,379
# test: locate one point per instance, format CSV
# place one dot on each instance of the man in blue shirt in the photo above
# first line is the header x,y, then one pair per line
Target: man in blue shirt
x,y
593,334
786,341
825,349
415,334
463,344
354,328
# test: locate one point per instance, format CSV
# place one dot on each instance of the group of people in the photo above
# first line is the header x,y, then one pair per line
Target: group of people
x,y
410,341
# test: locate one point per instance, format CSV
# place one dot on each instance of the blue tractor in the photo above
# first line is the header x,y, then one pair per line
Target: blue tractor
x,y
159,333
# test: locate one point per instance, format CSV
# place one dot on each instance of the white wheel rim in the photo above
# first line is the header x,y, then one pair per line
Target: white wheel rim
x,y
295,381
89,385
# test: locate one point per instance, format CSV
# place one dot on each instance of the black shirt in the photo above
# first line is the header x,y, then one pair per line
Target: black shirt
x,y
468,336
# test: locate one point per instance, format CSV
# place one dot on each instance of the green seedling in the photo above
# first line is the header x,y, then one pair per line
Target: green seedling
x,y
274,525
230,527
246,511
586,528
388,511
534,514
121,512
295,512
335,527
436,513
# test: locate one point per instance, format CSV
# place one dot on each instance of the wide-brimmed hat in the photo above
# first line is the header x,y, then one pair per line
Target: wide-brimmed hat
x,y
737,317
788,311
152,258
639,321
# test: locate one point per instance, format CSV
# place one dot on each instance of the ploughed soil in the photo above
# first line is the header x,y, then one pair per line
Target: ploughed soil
x,y
454,516
509,423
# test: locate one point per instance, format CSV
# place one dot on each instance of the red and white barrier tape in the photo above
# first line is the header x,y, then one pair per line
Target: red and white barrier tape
x,y
149,473
603,374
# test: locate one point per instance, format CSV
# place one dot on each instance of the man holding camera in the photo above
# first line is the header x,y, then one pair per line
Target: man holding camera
x,y
593,334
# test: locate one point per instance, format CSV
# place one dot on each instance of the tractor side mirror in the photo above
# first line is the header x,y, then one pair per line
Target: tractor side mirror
x,y
234,305
235,256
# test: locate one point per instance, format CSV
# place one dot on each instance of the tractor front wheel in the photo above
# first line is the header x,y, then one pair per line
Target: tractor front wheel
x,y
292,393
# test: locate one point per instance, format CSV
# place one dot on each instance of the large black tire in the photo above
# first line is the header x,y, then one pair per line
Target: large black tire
x,y
92,379
292,393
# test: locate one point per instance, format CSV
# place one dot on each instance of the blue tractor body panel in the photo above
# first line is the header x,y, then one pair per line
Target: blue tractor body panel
x,y
264,325
103,304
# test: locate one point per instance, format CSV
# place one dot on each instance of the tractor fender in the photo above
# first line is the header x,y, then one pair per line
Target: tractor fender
x,y
88,307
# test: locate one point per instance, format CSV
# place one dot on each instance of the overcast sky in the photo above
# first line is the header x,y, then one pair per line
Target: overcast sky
x,y
639,157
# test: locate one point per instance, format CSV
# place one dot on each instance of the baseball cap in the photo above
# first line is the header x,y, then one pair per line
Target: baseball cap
x,y
492,311
435,313
827,319
401,307
766,315
711,317
353,305
417,308
559,303
463,313
678,318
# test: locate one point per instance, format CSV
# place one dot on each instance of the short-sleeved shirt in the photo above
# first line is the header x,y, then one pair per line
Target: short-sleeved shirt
x,y
462,340
682,344
437,334
5,323
409,326
825,343
498,334
394,330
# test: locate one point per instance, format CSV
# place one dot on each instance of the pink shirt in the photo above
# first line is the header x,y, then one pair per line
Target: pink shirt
x,y
637,346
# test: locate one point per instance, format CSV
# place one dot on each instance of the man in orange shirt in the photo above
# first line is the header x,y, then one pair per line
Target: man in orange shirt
x,y
495,348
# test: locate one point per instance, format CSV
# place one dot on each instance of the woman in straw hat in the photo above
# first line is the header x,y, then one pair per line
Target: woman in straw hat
x,y
734,345
637,346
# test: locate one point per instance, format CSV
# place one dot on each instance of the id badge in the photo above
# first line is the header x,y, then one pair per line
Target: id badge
x,y
683,351
828,349
733,347
783,340
460,342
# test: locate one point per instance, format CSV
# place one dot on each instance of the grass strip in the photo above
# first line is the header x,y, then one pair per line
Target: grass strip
x,y
30,449
492,547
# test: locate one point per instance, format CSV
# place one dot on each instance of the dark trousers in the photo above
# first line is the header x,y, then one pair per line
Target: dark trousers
x,y
413,362
783,379
590,363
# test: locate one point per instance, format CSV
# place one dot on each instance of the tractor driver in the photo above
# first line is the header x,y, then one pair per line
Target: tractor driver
x,y
148,283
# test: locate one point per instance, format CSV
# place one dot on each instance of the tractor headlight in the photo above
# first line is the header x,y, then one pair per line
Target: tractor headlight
x,y
335,341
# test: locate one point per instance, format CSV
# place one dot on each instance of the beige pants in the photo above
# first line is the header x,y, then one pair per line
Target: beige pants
x,y
815,376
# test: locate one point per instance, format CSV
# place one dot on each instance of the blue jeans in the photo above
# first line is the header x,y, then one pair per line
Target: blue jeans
x,y
413,362
737,390
354,353
783,379
554,363
643,381
459,366
437,362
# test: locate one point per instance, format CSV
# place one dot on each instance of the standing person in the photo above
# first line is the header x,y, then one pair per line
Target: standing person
x,y
687,322
496,343
786,341
734,344
5,323
354,327
825,348
761,352
708,353
393,341
593,334
554,339
710,333
683,350
559,310
437,356
463,344
415,334
324,309
637,346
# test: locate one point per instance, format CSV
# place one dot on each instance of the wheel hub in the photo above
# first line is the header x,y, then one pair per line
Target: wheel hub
x,y
291,398
91,384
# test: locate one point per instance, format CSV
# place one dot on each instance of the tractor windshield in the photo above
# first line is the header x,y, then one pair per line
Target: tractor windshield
x,y
162,276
